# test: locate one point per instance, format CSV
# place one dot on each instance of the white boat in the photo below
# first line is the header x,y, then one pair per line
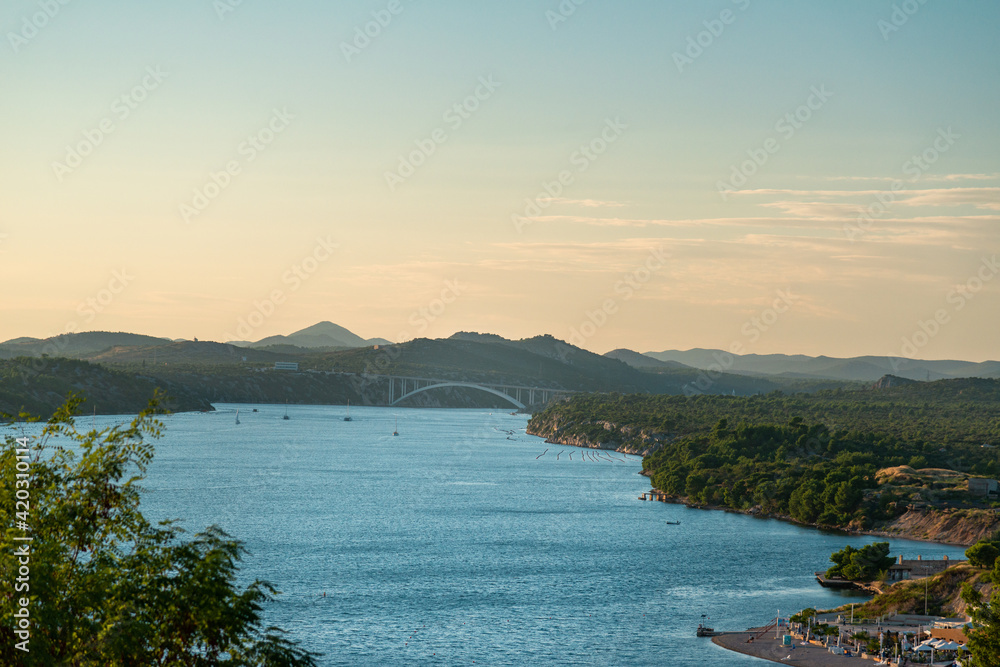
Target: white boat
x,y
237,416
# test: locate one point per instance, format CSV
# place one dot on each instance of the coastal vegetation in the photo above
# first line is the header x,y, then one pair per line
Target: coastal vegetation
x,y
984,636
865,564
40,385
101,585
983,554
848,459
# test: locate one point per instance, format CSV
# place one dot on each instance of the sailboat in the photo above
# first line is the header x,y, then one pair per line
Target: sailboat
x,y
237,416
348,417
395,429
286,410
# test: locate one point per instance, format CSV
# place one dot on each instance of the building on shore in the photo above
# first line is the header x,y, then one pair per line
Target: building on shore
x,y
903,570
983,487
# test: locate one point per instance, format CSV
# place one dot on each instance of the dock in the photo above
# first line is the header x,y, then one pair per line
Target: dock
x,y
835,582
655,494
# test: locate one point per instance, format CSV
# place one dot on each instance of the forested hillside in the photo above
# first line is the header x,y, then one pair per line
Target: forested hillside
x,y
820,458
38,386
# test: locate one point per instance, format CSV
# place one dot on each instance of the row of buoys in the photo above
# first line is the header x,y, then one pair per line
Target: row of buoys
x,y
600,457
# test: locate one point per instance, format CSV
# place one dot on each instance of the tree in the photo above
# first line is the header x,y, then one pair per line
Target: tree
x,y
984,638
106,587
982,554
864,564
841,560
806,502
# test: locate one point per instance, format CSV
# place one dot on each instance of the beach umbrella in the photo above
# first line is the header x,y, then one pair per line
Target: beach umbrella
x,y
948,646
923,648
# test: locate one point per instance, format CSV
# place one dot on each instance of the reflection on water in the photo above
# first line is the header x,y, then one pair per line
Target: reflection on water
x,y
453,543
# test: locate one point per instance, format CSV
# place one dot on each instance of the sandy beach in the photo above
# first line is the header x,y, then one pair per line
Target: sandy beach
x,y
769,648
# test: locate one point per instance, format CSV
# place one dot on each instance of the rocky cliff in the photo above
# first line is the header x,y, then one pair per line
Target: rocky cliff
x,y
605,435
962,527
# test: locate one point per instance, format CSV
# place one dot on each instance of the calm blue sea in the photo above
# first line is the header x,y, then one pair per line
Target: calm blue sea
x,y
457,543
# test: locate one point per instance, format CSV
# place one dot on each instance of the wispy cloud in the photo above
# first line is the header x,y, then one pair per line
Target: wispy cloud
x,y
589,203
985,198
816,210
944,178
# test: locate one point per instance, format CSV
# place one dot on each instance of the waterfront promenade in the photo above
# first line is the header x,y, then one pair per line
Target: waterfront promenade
x,y
769,648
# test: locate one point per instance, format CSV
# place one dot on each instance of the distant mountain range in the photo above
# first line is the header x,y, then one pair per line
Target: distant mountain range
x,y
852,369
324,334
198,373
77,345
97,344
660,371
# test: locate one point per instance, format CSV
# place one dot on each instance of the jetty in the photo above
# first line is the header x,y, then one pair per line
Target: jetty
x,y
655,494
833,582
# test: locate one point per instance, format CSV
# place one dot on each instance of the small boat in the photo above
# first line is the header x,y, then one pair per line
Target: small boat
x,y
673,523
237,416
286,411
348,417
395,429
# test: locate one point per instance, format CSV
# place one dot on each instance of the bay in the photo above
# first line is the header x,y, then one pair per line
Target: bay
x,y
463,540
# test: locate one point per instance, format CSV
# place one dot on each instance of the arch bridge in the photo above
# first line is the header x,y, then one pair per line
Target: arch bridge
x,y
401,388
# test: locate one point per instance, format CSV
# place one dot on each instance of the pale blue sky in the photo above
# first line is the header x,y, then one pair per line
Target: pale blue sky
x,y
655,187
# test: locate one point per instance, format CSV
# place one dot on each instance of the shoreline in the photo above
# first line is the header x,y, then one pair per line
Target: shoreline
x,y
674,500
679,500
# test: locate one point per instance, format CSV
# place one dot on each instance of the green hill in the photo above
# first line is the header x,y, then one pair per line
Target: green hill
x,y
75,345
39,386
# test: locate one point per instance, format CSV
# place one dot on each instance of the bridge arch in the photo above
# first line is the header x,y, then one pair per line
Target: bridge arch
x,y
469,385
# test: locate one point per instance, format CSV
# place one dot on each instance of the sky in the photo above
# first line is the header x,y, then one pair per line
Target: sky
x,y
779,177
